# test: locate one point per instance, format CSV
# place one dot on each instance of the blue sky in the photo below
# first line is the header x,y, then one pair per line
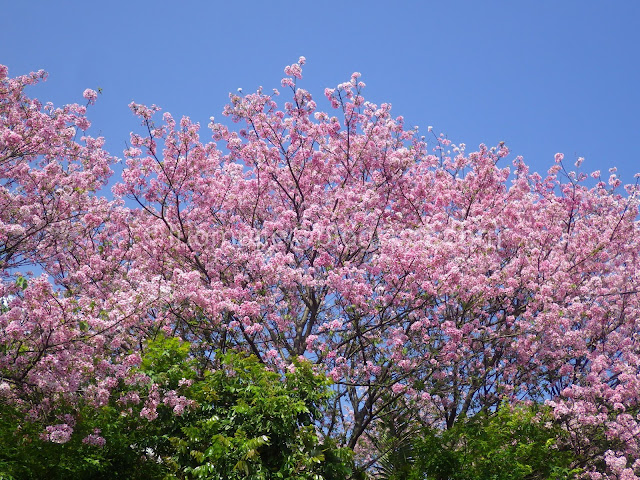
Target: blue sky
x,y
544,76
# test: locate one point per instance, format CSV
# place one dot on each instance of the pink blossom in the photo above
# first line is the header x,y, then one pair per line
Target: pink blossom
x,y
398,388
90,95
93,439
60,433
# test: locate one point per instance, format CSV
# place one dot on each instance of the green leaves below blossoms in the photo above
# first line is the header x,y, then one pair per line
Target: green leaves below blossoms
x,y
254,424
25,455
244,422
514,443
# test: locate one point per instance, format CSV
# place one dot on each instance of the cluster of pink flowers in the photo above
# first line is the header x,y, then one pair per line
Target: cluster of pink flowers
x,y
94,439
90,95
60,433
178,402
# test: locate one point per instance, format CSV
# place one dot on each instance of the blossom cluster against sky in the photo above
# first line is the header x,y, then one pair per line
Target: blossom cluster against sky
x,y
544,76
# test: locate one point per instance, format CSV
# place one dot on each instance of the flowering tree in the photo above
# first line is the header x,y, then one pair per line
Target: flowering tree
x,y
428,279
62,332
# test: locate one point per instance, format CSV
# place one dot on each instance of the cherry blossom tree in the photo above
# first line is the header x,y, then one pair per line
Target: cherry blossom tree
x,y
62,328
434,277
419,276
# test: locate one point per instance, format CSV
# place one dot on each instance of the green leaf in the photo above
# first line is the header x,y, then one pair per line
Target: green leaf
x,y
242,466
22,282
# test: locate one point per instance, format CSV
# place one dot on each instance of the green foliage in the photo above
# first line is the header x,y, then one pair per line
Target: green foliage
x,y
166,361
25,455
395,440
514,443
22,282
245,422
254,424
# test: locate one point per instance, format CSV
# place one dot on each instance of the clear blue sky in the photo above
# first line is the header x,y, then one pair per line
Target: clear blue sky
x,y
545,76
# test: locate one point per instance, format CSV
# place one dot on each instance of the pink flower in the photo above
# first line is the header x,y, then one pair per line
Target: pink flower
x,y
398,388
335,324
90,95
149,413
60,433
310,340
95,440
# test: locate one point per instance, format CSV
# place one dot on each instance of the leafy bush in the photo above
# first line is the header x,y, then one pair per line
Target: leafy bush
x,y
514,443
240,421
